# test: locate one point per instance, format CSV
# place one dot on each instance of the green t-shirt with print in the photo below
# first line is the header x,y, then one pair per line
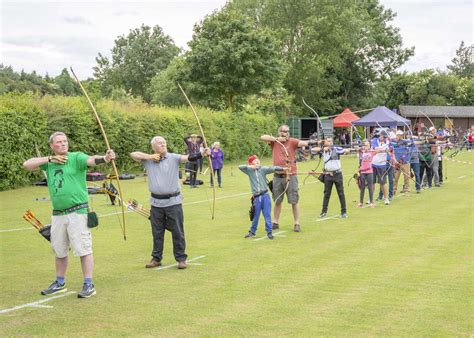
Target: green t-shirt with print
x,y
67,182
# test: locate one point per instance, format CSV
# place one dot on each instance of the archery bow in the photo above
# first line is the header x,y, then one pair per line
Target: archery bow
x,y
104,135
286,173
205,145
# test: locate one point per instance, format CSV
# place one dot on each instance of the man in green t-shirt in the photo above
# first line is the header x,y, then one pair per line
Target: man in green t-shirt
x,y
66,174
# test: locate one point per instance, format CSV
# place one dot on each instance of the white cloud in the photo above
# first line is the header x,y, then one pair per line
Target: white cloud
x,y
49,35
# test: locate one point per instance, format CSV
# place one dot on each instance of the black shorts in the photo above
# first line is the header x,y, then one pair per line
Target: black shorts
x,y
380,175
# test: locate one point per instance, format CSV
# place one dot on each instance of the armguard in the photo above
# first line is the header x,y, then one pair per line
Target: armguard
x,y
99,160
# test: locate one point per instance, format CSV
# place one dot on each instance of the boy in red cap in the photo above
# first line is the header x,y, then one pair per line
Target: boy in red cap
x,y
260,197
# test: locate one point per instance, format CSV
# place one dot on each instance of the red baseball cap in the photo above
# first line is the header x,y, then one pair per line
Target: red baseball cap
x,y
251,159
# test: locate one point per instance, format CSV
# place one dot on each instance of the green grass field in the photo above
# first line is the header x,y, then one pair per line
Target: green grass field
x,y
405,269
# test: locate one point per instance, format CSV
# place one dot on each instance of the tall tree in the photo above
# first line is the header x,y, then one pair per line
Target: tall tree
x,y
232,57
136,59
463,63
66,84
336,50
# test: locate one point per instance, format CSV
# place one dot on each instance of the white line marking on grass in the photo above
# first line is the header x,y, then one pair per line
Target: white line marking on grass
x,y
19,229
43,306
327,218
195,202
37,303
462,176
176,264
274,234
128,211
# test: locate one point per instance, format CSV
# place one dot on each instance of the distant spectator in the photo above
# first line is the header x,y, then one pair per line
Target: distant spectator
x,y
217,158
193,142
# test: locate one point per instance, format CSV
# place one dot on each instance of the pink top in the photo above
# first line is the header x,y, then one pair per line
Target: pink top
x,y
365,158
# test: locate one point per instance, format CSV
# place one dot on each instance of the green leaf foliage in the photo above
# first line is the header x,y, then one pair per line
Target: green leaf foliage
x,y
334,50
230,56
136,59
26,119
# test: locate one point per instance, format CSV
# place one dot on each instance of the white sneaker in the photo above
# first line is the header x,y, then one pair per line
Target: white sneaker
x,y
387,201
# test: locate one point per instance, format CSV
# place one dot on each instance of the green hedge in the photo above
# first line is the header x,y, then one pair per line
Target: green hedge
x,y
26,120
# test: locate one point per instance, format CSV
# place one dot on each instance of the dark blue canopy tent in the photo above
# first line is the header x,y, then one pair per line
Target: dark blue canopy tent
x,y
382,116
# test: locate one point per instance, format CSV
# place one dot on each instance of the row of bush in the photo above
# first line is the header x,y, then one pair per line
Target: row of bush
x,y
27,120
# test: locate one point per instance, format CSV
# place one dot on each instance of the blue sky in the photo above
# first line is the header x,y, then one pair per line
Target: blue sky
x,y
47,36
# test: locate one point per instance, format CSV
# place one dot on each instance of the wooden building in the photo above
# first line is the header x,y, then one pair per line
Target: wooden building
x,y
461,117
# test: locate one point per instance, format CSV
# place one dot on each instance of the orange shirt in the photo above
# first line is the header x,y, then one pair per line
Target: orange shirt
x,y
279,154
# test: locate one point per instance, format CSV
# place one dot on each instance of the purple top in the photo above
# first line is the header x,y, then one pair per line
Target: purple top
x,y
217,158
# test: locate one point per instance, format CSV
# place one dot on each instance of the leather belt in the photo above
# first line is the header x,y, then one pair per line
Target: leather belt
x,y
71,209
262,193
165,197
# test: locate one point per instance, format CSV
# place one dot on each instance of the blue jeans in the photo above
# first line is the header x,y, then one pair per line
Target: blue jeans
x,y
219,176
416,170
390,182
263,204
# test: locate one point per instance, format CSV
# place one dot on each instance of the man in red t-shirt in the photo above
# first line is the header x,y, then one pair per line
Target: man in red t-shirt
x,y
284,150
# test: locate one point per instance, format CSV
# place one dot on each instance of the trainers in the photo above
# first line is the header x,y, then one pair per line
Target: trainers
x,y
372,205
344,215
297,228
418,191
360,205
387,201
275,226
270,235
88,290
55,287
323,215
250,234
182,265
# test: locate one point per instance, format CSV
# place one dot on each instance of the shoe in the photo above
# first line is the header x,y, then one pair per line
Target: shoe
x,y
154,263
379,199
387,201
270,235
275,226
372,205
250,235
182,265
55,287
88,290
437,185
418,191
360,205
344,215
323,215
297,228
220,186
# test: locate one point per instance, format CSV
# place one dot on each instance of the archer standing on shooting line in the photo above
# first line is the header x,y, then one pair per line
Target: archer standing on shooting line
x,y
166,200
66,176
284,150
333,175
